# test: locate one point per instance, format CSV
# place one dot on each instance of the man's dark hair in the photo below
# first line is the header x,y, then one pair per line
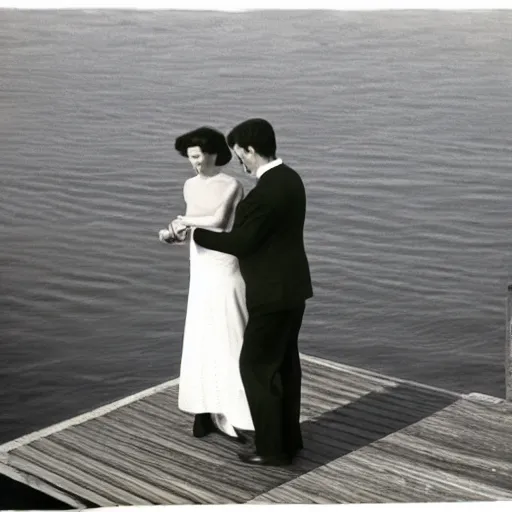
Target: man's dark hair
x,y
257,133
209,140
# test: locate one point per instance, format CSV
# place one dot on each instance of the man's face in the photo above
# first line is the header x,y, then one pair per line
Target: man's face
x,y
246,159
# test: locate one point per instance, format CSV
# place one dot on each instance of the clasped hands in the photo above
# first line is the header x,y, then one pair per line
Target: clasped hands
x,y
177,231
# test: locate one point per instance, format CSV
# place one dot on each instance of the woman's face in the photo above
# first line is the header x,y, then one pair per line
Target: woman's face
x,y
201,162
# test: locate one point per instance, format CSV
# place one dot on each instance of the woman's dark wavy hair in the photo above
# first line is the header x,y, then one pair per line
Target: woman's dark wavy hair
x,y
209,140
257,133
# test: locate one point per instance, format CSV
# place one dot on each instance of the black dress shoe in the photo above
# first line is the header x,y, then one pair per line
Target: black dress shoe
x,y
293,453
204,425
265,460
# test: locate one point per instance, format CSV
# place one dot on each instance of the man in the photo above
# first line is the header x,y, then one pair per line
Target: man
x,y
268,239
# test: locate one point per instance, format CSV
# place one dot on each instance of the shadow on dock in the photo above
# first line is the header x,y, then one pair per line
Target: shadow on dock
x,y
341,431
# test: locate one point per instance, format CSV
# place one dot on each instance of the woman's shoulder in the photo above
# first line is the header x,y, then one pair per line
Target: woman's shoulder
x,y
229,181
190,181
227,178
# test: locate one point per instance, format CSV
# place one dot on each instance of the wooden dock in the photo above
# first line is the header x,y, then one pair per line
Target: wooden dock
x,y
368,439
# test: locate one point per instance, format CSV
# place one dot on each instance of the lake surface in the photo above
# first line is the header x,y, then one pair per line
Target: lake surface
x,y
399,124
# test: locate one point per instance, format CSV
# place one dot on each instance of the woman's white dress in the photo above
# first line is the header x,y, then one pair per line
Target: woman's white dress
x,y
214,328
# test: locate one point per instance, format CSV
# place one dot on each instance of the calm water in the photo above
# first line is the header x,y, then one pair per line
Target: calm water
x,y
399,124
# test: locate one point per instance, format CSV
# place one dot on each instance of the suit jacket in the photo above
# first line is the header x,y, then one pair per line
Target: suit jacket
x,y
268,239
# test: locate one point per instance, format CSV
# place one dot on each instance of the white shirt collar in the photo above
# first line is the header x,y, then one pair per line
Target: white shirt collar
x,y
270,165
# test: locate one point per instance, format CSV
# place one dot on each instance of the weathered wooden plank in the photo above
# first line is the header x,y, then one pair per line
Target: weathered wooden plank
x,y
334,397
157,484
315,401
215,451
239,482
382,408
321,376
182,442
490,450
373,459
341,431
61,475
417,395
310,411
396,404
179,442
372,416
212,476
364,477
350,432
464,425
103,479
473,463
459,436
336,392
327,485
319,370
311,362
357,488
492,416
333,392
153,445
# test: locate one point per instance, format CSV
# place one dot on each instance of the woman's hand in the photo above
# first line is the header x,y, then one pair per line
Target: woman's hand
x,y
178,230
183,219
164,235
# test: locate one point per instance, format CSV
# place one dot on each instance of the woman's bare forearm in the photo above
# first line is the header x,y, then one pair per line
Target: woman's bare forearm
x,y
206,221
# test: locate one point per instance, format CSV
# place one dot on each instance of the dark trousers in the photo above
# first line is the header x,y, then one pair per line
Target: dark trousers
x,y
271,374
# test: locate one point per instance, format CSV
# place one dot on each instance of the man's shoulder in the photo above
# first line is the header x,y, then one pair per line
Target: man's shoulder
x,y
281,167
290,169
282,172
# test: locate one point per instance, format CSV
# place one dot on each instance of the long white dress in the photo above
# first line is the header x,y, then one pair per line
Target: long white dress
x,y
210,378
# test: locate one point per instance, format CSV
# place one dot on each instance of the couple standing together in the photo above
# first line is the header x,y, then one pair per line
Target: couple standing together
x,y
249,281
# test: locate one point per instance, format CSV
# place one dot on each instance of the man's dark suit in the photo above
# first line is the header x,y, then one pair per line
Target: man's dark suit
x,y
267,238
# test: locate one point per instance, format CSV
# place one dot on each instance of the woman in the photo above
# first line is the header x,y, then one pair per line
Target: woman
x,y
210,382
